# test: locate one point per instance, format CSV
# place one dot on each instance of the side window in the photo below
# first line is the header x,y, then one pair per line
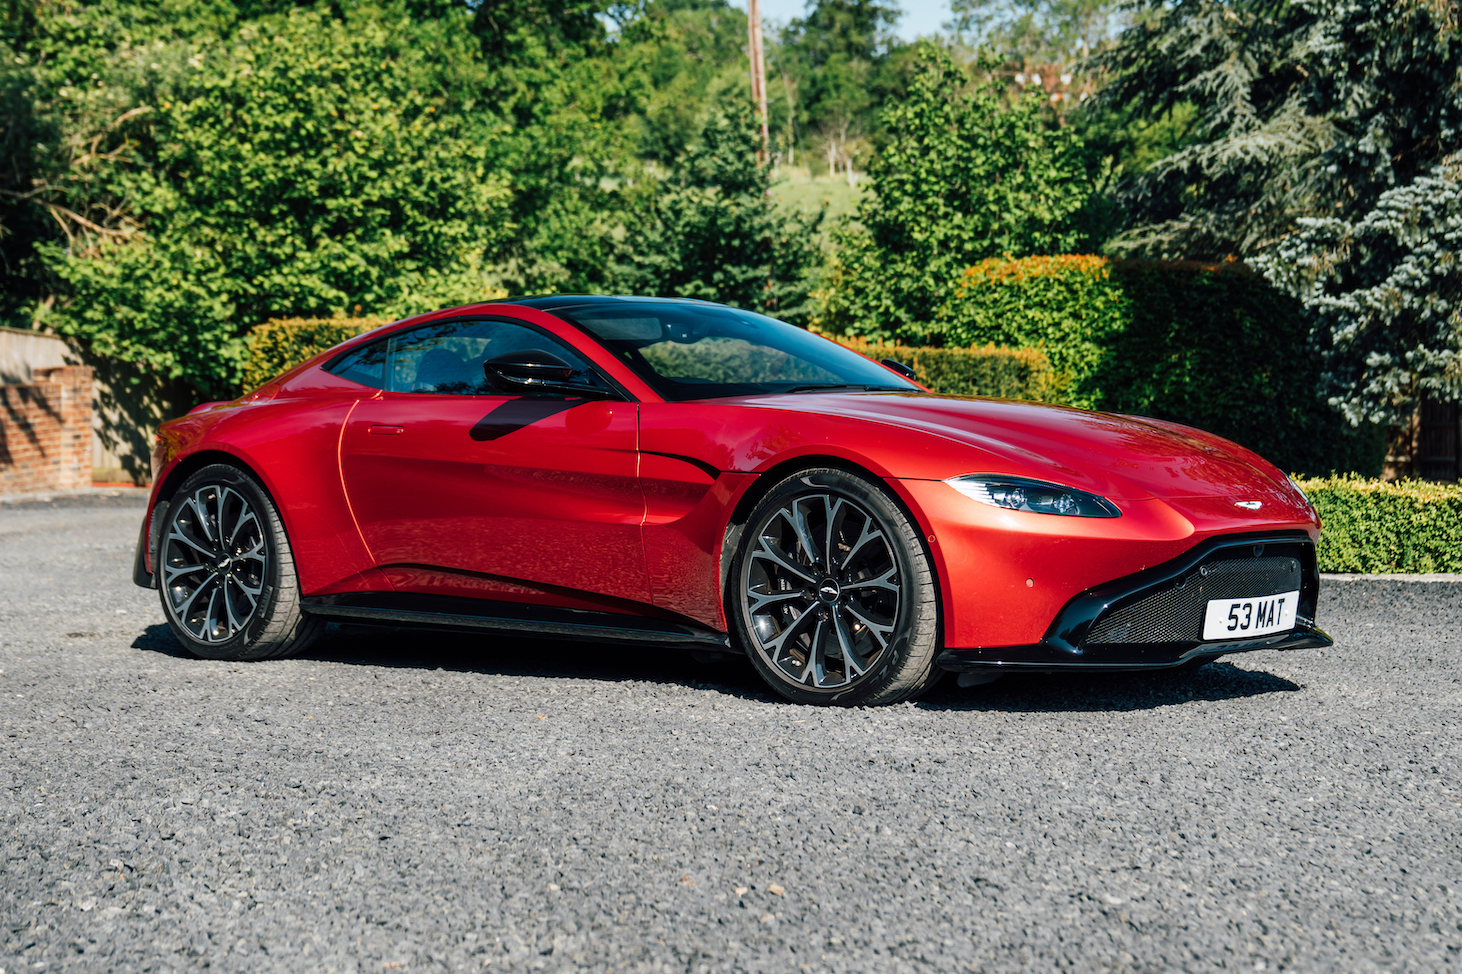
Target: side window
x,y
446,357
366,365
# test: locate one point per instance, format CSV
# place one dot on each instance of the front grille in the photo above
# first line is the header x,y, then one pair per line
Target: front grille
x,y
1174,611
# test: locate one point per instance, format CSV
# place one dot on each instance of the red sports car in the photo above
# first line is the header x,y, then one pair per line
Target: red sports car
x,y
672,471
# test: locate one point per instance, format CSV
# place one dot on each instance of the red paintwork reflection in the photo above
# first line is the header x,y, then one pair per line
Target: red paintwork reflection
x,y
984,555
683,541
436,581
556,502
290,443
1005,574
1116,456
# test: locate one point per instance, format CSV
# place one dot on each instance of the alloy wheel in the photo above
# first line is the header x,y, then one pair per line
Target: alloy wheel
x,y
214,562
822,591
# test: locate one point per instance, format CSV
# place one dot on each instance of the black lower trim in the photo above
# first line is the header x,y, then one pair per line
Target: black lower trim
x,y
444,611
1152,656
140,575
1066,647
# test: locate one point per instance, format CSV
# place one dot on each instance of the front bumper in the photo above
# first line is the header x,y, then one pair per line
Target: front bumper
x,y
1154,619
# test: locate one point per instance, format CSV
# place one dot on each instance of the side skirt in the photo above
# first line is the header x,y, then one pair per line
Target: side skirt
x,y
439,611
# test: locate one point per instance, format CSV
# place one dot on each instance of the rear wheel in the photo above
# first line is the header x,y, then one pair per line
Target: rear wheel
x,y
832,593
225,571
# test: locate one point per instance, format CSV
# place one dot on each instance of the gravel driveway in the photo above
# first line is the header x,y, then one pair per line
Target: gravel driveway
x,y
420,802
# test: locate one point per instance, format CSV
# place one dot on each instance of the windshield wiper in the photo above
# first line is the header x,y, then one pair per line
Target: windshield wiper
x,y
843,387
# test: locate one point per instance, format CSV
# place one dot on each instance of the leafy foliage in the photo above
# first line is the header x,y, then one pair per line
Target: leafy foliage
x,y
712,231
684,56
1380,270
1002,373
1303,109
1239,65
1325,144
963,177
1371,526
1385,288
1057,32
1067,305
565,100
300,164
1211,346
277,346
837,65
182,170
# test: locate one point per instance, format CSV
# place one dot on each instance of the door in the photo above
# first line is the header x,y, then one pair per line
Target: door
x,y
533,499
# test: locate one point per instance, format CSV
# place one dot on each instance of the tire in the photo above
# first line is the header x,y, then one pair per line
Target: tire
x,y
225,571
861,630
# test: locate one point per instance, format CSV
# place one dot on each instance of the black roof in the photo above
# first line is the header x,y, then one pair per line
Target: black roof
x,y
559,302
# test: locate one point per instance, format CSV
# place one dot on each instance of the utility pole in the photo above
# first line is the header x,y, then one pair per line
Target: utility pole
x,y
758,75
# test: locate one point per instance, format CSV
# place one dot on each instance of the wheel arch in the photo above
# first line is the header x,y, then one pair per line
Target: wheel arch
x,y
782,469
194,462
174,479
908,677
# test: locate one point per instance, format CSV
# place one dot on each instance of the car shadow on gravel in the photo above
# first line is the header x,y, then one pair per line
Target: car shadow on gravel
x,y
1075,692
506,655
613,663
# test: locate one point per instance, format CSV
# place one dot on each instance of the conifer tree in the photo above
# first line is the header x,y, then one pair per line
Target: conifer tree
x,y
1325,149
711,230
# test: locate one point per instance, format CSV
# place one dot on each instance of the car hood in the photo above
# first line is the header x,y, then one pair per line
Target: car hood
x,y
1122,457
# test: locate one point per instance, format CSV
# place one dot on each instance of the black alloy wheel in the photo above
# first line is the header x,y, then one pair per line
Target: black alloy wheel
x,y
832,593
225,571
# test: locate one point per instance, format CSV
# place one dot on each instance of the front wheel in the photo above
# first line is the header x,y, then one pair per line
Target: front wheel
x,y
832,593
226,573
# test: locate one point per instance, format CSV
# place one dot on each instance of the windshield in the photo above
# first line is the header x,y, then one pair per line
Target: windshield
x,y
690,351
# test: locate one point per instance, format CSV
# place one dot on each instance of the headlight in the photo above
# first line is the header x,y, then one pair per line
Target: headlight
x,y
1036,496
1301,491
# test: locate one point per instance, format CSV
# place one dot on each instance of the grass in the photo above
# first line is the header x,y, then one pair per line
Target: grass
x,y
797,189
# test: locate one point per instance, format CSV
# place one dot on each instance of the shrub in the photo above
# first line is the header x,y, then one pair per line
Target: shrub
x,y
282,343
712,230
1005,373
1372,526
966,172
295,163
1210,345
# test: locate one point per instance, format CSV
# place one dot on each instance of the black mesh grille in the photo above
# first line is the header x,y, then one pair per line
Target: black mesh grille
x,y
1174,611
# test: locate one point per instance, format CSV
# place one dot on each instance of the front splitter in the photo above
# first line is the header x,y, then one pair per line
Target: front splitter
x,y
1044,657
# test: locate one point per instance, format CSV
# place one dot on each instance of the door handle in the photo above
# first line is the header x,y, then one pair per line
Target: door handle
x,y
382,430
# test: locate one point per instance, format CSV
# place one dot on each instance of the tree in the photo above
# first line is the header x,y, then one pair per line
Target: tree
x,y
1063,32
964,176
1325,149
685,56
1386,289
1231,190
841,61
712,231
303,165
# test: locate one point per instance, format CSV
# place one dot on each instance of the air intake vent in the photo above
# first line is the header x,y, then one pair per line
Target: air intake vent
x,y
1173,611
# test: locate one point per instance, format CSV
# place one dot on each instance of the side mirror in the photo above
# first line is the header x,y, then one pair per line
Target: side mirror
x,y
900,368
534,371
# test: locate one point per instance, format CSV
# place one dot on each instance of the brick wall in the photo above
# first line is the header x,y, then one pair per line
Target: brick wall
x,y
45,431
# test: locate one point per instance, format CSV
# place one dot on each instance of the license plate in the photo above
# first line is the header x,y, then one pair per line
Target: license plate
x,y
1240,618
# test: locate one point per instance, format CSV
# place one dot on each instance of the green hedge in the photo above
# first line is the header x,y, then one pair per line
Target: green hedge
x,y
1372,526
282,343
1209,345
1005,373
